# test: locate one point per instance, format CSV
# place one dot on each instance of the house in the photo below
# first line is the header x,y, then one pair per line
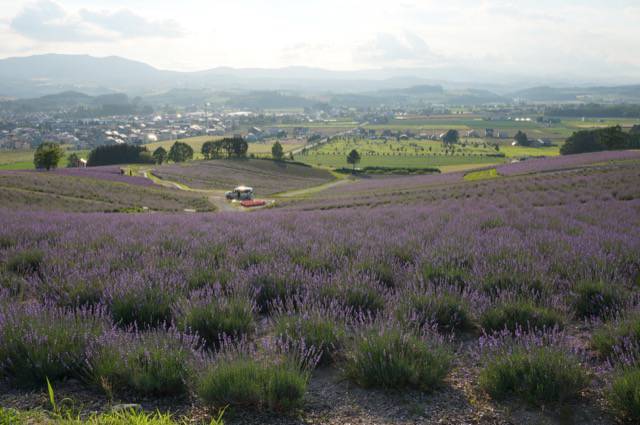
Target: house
x,y
488,132
473,133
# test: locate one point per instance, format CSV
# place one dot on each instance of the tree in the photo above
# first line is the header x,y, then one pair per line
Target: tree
x,y
180,152
234,146
277,152
451,137
353,158
612,138
160,155
73,160
119,154
48,155
240,147
522,139
211,149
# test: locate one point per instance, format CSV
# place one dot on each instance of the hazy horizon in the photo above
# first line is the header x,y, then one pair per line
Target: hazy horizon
x,y
585,41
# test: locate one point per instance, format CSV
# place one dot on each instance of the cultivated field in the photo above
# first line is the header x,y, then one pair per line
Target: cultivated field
x,y
90,190
418,153
426,299
255,148
265,176
23,159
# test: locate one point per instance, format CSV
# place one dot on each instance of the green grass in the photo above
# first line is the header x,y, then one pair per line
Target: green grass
x,y
15,417
519,151
23,159
482,175
256,148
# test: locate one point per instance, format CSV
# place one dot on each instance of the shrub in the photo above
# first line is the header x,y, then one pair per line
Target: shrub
x,y
40,341
25,262
271,288
202,278
537,375
595,299
144,305
252,258
519,314
448,274
448,312
391,359
360,298
605,339
249,383
6,242
313,264
380,271
624,394
322,333
495,283
211,316
154,363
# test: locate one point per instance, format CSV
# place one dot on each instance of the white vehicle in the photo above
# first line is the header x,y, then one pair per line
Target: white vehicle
x,y
240,193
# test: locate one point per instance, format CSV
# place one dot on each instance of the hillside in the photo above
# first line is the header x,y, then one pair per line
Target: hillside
x,y
265,176
75,190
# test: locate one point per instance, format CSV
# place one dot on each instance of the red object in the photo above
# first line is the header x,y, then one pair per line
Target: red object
x,y
253,203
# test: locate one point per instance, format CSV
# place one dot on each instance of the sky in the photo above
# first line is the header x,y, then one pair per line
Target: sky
x,y
588,40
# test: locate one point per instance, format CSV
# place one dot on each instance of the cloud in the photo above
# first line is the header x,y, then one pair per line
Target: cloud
x,y
48,21
127,24
385,49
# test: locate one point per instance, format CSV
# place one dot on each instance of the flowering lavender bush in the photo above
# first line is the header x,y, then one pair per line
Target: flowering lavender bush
x,y
356,279
538,368
211,316
43,341
157,362
391,358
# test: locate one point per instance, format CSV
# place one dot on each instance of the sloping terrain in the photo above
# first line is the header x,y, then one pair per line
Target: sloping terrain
x,y
65,191
265,176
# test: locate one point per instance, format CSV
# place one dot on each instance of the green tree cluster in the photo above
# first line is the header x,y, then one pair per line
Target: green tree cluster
x,y
231,146
604,139
180,152
277,152
48,155
119,154
160,155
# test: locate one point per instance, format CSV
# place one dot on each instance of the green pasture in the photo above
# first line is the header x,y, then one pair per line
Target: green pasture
x,y
491,173
256,148
23,159
401,161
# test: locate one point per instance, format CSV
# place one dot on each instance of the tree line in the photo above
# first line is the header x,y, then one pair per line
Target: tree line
x,y
603,139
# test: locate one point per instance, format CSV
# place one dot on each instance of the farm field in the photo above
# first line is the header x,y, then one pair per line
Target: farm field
x,y
423,299
89,190
417,153
267,177
23,159
255,148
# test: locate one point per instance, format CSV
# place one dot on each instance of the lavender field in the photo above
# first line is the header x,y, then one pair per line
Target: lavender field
x,y
90,190
511,300
266,176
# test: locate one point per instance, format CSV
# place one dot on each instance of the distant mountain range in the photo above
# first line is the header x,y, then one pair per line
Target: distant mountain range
x,y
43,75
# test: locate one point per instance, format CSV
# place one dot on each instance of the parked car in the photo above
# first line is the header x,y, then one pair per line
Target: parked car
x,y
240,193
